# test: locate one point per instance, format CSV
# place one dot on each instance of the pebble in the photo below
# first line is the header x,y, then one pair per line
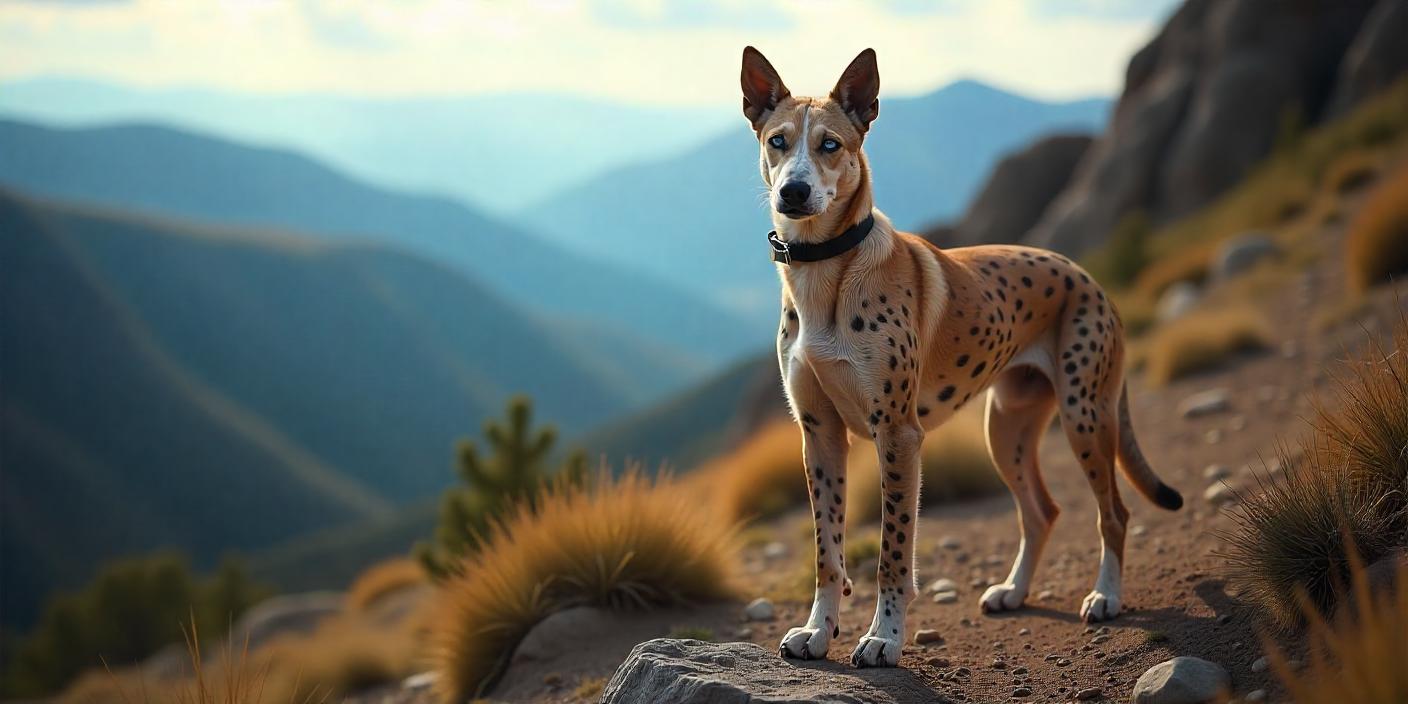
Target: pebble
x,y
1213,437
424,680
945,597
1097,640
1256,695
1139,529
998,665
1019,671
1024,631
949,542
1204,403
1219,494
937,662
775,550
925,636
1045,595
1216,472
1063,662
759,609
1260,664
1022,692
1089,693
942,585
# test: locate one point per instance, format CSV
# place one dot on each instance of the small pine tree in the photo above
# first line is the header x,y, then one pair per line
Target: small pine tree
x,y
513,471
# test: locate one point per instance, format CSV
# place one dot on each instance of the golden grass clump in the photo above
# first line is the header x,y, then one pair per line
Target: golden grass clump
x,y
384,579
1376,245
954,462
1203,340
762,478
1350,488
1359,656
343,655
618,543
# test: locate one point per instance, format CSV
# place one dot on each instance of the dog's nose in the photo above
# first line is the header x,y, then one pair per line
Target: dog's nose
x,y
794,194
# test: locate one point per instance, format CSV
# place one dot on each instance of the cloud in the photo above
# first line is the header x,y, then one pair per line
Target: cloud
x,y
643,51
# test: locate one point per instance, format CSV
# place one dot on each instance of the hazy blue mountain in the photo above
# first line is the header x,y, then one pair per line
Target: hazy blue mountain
x,y
161,170
500,152
210,389
700,218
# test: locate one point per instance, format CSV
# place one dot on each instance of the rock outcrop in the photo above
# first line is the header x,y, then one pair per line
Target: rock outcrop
x,y
695,672
1207,99
1017,192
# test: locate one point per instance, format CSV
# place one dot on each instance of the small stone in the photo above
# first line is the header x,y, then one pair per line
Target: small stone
x,y
1224,619
1204,403
775,550
1024,631
945,597
1256,695
1216,472
937,662
1219,494
1022,692
1138,529
925,636
759,609
942,585
998,665
424,680
949,542
1062,662
1097,640
1260,664
1045,595
1237,424
1089,693
743,633
1019,671
1213,437
1182,680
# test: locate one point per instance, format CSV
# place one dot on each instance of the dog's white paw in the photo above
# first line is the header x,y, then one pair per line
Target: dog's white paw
x,y
806,643
1002,597
1099,606
874,651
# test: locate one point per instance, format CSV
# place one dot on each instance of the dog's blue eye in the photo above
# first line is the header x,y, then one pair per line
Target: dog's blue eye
x,y
777,141
830,145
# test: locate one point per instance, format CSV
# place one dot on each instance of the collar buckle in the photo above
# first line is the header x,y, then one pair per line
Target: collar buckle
x,y
781,251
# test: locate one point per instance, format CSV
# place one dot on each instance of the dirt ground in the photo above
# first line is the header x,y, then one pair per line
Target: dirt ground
x,y
1177,601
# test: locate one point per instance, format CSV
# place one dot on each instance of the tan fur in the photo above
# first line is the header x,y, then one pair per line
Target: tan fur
x,y
888,340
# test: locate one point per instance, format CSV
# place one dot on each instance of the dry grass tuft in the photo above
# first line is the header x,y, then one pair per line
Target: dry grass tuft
x,y
1350,489
955,465
627,542
344,655
384,579
762,478
1203,340
1358,658
1377,241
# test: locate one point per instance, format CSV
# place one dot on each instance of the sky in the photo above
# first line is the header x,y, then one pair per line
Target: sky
x,y
649,52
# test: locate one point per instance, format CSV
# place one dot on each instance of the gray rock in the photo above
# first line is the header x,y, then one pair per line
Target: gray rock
x,y
949,542
942,585
1240,253
1182,680
1219,494
1216,472
945,597
693,672
759,609
1176,301
562,632
1261,664
1204,403
282,615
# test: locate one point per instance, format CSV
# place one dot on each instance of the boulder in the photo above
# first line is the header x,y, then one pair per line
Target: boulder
x,y
1203,103
1017,192
694,672
1377,58
1240,253
1182,680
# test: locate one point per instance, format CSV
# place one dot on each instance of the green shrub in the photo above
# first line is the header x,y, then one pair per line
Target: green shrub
x,y
514,472
1124,255
129,611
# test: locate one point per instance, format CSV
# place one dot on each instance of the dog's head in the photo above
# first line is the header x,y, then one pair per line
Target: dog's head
x,y
811,147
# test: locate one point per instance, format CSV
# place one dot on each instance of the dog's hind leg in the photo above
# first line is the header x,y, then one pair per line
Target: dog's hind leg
x,y
824,449
898,446
1020,406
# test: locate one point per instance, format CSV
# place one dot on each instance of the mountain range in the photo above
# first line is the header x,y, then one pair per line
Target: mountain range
x,y
197,177
169,384
700,218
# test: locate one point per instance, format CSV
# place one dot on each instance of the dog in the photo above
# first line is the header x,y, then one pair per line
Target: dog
x,y
885,336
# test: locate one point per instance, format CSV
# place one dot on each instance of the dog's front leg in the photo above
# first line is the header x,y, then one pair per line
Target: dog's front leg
x,y
824,449
898,445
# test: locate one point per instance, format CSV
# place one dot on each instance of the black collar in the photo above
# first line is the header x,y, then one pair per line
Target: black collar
x,y
788,252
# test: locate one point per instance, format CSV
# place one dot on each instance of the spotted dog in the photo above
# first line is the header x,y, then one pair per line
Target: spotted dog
x,y
885,336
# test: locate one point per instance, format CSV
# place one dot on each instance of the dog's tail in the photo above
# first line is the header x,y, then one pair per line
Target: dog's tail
x,y
1137,469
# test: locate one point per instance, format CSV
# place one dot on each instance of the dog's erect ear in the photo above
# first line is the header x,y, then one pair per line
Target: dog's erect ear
x,y
858,90
762,87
